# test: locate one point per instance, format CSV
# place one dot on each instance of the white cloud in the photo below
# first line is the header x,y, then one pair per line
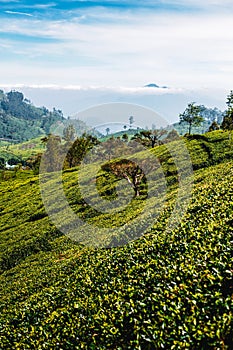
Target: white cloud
x,y
170,49
19,13
94,88
41,6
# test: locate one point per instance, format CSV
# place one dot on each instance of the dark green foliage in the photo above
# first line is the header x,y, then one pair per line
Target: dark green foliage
x,y
125,137
191,116
211,114
182,128
34,163
2,163
227,123
162,291
211,148
10,157
75,151
149,138
20,120
214,126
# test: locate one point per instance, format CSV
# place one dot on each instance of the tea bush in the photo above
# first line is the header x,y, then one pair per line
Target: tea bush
x,y
161,291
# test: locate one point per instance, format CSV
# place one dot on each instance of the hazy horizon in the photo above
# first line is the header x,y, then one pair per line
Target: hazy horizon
x,y
79,101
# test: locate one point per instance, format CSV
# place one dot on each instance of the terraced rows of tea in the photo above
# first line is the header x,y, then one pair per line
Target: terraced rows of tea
x,y
165,290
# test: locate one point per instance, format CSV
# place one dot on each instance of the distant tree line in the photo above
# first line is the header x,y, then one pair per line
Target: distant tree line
x,y
195,115
20,120
73,148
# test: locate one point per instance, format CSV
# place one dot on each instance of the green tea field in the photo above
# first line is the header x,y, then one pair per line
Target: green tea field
x,y
165,290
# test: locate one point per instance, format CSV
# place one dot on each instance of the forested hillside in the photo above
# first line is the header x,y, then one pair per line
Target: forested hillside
x,y
161,291
20,120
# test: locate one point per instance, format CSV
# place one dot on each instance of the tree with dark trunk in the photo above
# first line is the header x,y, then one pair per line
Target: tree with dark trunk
x,y
227,123
149,138
191,116
77,150
128,170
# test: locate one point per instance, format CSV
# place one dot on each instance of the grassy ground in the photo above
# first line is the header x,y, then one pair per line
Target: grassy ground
x,y
161,291
22,150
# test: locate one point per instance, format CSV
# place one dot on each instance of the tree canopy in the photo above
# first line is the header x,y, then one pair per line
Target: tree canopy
x,y
227,123
20,120
128,170
191,116
149,138
76,150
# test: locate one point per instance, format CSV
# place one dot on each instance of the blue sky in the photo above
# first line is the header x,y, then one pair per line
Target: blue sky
x,y
117,43
62,9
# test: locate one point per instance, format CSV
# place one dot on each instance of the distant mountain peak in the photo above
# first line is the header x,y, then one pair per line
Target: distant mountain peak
x,y
153,85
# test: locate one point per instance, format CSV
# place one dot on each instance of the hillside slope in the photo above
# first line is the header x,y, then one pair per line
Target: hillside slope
x,y
158,292
20,120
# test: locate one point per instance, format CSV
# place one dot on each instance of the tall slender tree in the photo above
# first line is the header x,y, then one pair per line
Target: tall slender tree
x,y
191,116
131,121
227,123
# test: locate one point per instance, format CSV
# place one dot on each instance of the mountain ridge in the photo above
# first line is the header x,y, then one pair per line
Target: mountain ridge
x,y
20,120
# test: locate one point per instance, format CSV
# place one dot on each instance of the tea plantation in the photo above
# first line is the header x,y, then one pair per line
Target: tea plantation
x,y
165,290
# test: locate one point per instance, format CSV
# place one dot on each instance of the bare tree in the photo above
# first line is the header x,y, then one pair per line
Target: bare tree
x,y
149,138
128,170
